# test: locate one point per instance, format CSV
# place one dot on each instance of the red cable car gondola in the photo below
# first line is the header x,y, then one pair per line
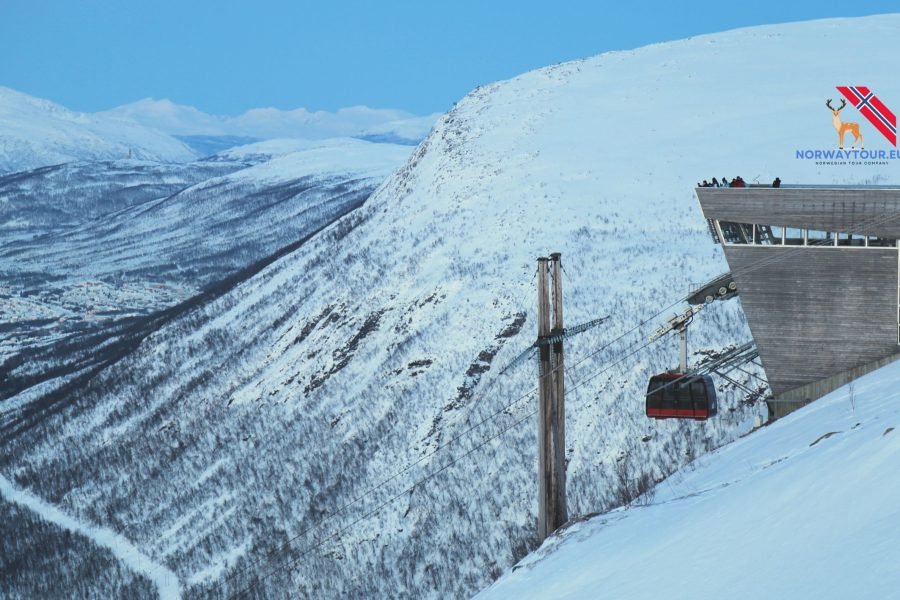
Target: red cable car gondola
x,y
675,396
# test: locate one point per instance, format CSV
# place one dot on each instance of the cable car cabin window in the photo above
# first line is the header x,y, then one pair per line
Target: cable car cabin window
x,y
698,392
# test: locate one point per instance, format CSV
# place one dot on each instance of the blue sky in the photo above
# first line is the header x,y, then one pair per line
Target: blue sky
x,y
225,57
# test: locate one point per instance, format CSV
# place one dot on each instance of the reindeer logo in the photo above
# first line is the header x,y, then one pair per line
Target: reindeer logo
x,y
842,127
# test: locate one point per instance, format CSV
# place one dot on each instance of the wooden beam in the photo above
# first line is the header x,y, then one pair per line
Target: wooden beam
x,y
558,510
545,390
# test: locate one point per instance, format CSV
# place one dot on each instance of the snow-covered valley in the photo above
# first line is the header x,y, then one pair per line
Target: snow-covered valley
x,y
99,254
336,423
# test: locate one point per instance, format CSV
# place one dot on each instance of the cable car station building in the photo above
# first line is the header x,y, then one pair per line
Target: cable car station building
x,y
817,272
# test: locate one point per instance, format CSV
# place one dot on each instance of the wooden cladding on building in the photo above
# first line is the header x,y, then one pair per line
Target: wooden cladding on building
x,y
817,312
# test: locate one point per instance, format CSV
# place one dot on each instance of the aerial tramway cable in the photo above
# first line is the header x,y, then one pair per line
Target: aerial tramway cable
x,y
397,474
504,409
378,508
286,545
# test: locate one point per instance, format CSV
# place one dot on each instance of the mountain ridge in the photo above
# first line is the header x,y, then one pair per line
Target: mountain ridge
x,y
397,126
35,132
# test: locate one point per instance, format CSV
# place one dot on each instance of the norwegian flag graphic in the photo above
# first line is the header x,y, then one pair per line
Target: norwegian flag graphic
x,y
873,109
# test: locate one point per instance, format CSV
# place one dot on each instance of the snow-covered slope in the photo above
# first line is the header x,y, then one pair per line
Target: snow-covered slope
x,y
55,199
36,132
337,424
805,508
331,152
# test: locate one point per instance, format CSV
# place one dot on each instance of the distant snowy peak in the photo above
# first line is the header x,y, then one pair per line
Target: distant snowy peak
x,y
171,118
268,123
282,159
36,132
351,148
15,104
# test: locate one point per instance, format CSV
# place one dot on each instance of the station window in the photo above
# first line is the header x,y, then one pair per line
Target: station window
x,y
776,235
793,236
736,233
877,242
849,239
768,235
819,238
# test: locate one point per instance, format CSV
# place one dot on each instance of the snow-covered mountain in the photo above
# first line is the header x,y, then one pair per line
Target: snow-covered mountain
x,y
265,123
804,508
36,133
90,248
337,424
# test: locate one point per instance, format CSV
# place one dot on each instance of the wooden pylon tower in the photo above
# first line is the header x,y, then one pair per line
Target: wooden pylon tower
x,y
552,510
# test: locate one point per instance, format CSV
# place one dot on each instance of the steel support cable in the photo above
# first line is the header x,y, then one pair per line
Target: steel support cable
x,y
579,328
378,508
394,476
629,332
456,438
525,354
284,546
739,359
727,378
734,364
736,356
585,380
377,487
453,440
740,355
751,374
